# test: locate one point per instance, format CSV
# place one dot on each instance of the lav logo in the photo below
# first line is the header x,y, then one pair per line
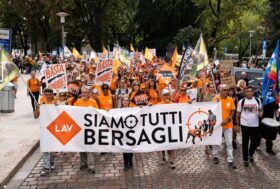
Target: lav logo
x,y
64,128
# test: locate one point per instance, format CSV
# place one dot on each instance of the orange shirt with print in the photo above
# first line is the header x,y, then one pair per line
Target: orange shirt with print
x,y
89,103
43,100
106,102
34,85
227,107
182,98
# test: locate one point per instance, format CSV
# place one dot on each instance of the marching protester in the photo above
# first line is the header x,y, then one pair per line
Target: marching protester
x,y
121,91
228,108
33,89
86,158
48,157
127,157
171,153
249,110
232,94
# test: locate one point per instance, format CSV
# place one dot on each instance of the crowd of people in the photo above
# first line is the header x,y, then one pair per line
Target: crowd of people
x,y
143,85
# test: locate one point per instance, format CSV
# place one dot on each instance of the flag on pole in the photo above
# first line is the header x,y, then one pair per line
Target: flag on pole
x,y
8,70
76,54
174,58
200,57
186,61
270,88
67,52
131,48
104,51
148,55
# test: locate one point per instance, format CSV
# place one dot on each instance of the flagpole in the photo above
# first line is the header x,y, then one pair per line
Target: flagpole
x,y
182,58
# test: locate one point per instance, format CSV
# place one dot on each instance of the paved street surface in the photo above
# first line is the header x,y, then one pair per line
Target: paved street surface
x,y
194,169
19,133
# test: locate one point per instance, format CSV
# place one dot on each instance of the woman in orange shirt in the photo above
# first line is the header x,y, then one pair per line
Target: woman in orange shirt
x,y
153,92
34,89
106,99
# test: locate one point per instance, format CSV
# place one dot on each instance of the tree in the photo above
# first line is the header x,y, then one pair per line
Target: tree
x,y
221,19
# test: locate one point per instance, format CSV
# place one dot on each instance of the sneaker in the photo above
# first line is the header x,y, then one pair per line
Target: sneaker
x,y
52,166
126,167
216,160
251,159
83,167
91,171
163,161
246,163
232,165
234,145
271,152
44,172
172,165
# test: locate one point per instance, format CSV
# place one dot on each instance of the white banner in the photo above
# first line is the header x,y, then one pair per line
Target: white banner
x,y
56,77
147,129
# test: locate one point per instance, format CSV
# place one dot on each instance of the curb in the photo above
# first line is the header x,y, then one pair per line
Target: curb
x,y
19,165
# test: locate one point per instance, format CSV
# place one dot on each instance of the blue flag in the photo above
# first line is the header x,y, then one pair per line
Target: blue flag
x,y
270,85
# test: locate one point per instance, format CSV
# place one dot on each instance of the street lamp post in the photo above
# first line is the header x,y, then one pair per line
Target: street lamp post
x,y
251,33
62,16
64,36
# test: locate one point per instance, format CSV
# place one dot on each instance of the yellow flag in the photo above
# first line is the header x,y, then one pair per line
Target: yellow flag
x,y
104,51
148,54
174,58
131,48
76,54
8,70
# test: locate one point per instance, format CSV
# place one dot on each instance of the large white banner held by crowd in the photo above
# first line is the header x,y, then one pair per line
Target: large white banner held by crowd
x,y
151,128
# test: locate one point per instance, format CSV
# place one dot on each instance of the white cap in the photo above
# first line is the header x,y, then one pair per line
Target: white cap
x,y
165,91
95,91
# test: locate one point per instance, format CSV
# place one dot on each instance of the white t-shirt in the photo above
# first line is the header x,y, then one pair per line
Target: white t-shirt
x,y
250,113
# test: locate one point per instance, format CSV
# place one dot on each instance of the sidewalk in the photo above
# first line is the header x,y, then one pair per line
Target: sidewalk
x,y
19,134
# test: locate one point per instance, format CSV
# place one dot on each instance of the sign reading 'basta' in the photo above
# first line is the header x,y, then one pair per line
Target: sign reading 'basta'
x,y
155,128
104,72
56,78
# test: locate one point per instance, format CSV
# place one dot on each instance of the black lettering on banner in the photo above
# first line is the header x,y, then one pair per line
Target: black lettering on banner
x,y
103,122
180,117
95,120
173,116
150,119
181,133
162,137
88,120
89,136
128,136
101,136
143,137
170,135
114,122
164,117
118,138
143,118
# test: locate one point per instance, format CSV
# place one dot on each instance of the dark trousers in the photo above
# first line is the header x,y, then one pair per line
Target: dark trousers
x,y
127,158
269,145
36,96
249,134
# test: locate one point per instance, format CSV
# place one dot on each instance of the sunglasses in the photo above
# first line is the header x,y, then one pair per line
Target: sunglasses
x,y
225,90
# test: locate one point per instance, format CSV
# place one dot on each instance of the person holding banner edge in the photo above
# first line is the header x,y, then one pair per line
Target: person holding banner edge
x,y
127,157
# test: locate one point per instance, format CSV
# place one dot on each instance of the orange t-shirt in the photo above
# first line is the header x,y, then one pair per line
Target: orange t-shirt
x,y
227,107
153,96
113,85
106,102
181,99
43,100
34,85
89,103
